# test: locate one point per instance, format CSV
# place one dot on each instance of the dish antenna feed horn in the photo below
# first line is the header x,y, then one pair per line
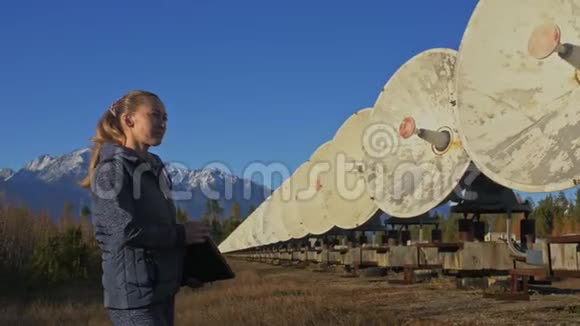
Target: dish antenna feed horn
x,y
423,161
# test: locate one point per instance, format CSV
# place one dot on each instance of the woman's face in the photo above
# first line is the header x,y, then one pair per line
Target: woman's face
x,y
149,123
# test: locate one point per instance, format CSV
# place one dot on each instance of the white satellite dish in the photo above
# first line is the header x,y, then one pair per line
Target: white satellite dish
x,y
274,228
236,240
247,234
232,243
224,246
413,156
228,244
310,201
241,238
346,196
292,220
518,90
257,232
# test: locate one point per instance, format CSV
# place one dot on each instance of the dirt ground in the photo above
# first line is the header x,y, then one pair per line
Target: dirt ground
x,y
437,301
263,294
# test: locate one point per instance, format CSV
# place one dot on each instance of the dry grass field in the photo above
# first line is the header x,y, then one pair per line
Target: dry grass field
x,y
272,295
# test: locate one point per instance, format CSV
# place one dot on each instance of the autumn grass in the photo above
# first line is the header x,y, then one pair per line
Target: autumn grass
x,y
254,299
262,294
257,296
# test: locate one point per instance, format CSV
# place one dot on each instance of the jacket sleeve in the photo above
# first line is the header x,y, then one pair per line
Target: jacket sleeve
x,y
114,215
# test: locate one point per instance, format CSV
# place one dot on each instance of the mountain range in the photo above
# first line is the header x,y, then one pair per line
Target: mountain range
x,y
47,182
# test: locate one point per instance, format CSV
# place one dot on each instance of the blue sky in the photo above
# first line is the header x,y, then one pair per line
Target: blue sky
x,y
243,81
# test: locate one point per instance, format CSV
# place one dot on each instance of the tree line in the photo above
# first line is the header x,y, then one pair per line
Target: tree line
x,y
554,215
38,250
35,249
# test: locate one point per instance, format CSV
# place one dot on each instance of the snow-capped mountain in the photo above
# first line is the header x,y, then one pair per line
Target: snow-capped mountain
x,y
6,174
53,169
48,182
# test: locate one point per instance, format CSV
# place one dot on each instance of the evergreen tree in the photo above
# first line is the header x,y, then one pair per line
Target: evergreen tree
x,y
213,209
212,217
85,211
216,230
33,247
562,205
450,228
544,215
232,222
531,201
181,215
61,257
230,225
576,209
235,210
66,220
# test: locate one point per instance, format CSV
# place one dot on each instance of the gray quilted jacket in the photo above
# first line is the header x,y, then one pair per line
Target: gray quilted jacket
x,y
135,226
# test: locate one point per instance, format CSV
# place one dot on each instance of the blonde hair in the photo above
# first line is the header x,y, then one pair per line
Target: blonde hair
x,y
109,128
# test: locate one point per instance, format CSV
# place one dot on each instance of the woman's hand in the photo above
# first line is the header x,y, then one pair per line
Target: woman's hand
x,y
196,232
193,283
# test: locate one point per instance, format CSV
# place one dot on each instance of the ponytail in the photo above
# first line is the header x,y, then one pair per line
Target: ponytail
x,y
108,131
109,128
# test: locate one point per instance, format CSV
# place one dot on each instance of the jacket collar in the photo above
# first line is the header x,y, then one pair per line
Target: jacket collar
x,y
111,151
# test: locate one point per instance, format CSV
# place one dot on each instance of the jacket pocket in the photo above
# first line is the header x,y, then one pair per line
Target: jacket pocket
x,y
151,266
144,273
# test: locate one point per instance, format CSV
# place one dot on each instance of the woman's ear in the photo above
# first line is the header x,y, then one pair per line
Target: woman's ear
x,y
128,120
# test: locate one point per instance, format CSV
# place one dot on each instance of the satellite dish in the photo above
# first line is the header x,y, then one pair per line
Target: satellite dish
x,y
274,228
345,192
241,237
247,234
292,220
224,246
311,201
257,232
235,241
518,89
413,157
232,243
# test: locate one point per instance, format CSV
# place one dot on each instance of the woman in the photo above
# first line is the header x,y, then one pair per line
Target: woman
x,y
134,216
